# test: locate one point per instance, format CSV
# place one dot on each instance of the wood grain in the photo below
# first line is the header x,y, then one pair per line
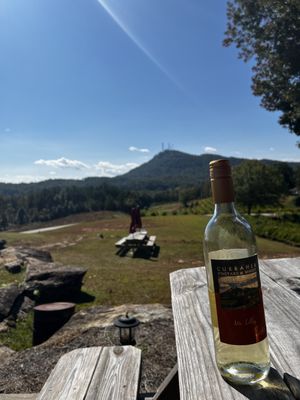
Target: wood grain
x,y
71,376
285,272
117,374
22,396
282,307
104,373
199,377
293,384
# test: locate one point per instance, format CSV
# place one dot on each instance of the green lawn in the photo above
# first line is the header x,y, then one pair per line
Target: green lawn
x,y
118,280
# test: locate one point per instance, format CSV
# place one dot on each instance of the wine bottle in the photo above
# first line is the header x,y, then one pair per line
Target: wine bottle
x,y
235,296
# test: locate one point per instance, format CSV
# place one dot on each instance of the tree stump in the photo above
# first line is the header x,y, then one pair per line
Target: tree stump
x,y
49,318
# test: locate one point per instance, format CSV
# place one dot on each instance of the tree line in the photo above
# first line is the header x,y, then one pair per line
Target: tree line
x,y
40,205
255,184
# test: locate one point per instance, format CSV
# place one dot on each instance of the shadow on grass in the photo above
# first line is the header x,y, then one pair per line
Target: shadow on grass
x,y
145,253
84,297
77,298
150,254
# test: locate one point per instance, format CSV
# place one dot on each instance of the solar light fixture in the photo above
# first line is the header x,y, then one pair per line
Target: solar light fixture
x,y
127,326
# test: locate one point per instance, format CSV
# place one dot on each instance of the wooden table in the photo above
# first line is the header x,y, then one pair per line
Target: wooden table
x,y
199,378
94,373
136,241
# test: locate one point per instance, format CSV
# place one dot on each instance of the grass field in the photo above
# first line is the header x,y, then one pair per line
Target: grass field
x,y
118,280
114,280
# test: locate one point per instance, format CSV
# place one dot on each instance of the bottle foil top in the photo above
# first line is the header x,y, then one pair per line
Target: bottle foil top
x,y
221,181
219,169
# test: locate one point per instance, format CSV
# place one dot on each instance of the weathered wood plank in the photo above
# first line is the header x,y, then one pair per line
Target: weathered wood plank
x,y
95,373
198,374
21,396
284,271
117,374
71,376
282,307
120,242
293,384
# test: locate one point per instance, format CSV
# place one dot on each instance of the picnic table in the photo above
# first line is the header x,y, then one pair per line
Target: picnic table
x,y
199,378
94,373
135,241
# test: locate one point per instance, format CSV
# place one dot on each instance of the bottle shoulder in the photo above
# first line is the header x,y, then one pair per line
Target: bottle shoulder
x,y
222,225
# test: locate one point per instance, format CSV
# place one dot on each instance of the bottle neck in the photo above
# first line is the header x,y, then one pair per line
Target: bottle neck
x,y
225,208
222,190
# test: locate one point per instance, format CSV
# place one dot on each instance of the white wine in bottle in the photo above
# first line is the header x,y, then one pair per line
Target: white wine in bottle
x,y
236,303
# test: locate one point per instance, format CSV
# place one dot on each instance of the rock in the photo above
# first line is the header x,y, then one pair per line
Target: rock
x,y
42,255
9,295
2,244
53,281
26,306
18,254
27,370
5,352
11,323
9,255
3,327
14,267
103,317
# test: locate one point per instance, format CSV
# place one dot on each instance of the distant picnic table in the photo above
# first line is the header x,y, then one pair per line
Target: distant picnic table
x,y
136,241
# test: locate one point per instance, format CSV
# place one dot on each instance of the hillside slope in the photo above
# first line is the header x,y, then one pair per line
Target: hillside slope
x,y
167,169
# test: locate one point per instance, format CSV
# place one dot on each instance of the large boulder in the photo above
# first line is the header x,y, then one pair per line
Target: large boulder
x,y
42,255
22,254
2,244
14,267
27,370
9,296
53,281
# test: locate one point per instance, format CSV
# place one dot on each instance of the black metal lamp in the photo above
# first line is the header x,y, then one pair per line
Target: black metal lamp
x,y
127,327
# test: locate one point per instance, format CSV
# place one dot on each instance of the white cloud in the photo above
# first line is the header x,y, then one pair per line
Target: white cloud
x,y
209,149
133,148
63,163
7,130
22,178
109,169
271,149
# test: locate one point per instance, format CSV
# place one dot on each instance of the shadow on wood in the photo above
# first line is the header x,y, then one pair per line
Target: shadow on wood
x,y
271,388
293,384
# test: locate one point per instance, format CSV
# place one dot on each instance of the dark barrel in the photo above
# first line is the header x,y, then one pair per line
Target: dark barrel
x,y
49,318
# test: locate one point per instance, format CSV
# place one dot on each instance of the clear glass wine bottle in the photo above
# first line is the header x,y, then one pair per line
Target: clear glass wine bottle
x,y
235,296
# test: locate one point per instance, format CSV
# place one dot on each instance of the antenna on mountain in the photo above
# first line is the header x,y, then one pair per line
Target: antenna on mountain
x,y
162,146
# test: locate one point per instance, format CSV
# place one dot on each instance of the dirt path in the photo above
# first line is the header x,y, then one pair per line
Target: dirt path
x,y
50,228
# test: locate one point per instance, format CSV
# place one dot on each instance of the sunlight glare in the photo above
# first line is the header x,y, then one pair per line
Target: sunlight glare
x,y
138,43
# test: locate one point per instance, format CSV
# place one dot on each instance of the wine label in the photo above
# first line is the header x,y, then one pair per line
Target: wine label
x,y
239,301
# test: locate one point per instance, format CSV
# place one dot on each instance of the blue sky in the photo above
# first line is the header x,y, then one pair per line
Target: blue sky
x,y
96,87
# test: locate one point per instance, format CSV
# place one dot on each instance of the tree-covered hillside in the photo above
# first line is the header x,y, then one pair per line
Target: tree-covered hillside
x,y
169,176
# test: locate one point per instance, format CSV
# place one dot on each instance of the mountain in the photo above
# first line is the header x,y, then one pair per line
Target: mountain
x,y
172,168
168,169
